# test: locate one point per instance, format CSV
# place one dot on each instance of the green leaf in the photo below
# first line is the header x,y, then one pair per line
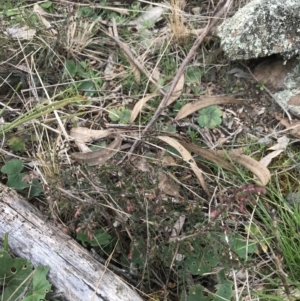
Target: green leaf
x,y
15,181
193,75
210,117
196,293
12,12
86,11
17,144
203,263
71,68
224,288
35,188
40,285
18,278
15,276
114,115
48,6
121,114
125,116
88,87
101,238
178,105
12,167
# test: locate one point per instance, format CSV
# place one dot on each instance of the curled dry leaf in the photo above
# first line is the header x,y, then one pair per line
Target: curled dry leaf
x,y
266,160
278,148
281,144
99,157
259,170
83,135
205,101
292,129
208,154
177,91
138,106
188,158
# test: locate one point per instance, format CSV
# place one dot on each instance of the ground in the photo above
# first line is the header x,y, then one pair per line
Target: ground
x,y
198,209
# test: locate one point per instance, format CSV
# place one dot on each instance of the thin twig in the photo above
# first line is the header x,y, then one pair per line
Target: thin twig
x,y
180,71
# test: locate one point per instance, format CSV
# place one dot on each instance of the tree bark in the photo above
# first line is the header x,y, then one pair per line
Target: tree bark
x,y
73,271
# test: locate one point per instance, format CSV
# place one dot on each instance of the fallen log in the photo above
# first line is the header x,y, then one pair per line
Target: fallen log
x,y
73,271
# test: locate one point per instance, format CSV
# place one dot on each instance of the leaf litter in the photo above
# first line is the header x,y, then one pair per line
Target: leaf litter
x,y
149,207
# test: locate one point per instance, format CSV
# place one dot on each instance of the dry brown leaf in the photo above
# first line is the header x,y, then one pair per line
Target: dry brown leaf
x,y
166,185
188,158
208,154
177,91
260,171
292,129
281,144
266,160
109,71
138,106
99,157
85,135
141,164
20,33
205,101
177,228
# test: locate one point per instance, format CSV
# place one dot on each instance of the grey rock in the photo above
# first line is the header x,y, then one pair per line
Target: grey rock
x,y
290,97
262,28
293,198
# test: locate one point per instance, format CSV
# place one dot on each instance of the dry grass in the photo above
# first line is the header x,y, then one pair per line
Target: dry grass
x,y
177,21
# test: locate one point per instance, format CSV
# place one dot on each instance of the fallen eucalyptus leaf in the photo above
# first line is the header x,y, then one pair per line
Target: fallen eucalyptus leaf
x,y
177,90
205,101
266,160
188,158
209,155
100,156
258,169
138,106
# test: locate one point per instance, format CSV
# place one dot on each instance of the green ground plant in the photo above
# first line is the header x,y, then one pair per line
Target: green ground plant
x,y
20,281
19,180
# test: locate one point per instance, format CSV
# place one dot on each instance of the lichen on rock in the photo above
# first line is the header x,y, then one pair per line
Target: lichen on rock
x,y
262,28
290,98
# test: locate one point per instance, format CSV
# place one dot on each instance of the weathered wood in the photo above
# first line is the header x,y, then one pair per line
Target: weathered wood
x,y
73,271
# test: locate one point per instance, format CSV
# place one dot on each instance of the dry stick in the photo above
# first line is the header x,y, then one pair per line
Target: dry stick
x,y
180,71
